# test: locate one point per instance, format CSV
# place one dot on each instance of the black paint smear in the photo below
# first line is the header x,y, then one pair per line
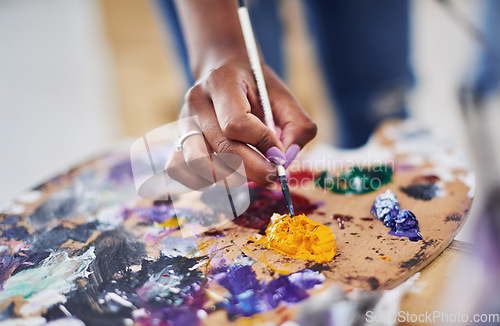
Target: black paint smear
x,y
181,267
213,233
83,232
16,232
44,240
319,267
164,201
10,219
62,205
424,191
454,218
83,303
418,257
33,261
115,251
367,218
51,239
374,283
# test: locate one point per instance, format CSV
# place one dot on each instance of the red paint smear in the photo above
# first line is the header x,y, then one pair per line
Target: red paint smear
x,y
265,202
298,178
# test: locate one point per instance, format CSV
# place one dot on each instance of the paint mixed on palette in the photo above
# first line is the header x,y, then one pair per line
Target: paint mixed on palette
x,y
85,248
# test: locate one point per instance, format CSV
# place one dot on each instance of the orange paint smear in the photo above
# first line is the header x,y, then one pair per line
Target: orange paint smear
x,y
298,237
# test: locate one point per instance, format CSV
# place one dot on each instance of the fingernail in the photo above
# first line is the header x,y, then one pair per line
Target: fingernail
x,y
276,156
291,154
287,175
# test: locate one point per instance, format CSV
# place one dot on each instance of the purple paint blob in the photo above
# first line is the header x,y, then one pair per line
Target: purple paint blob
x,y
403,223
406,225
122,171
248,296
151,214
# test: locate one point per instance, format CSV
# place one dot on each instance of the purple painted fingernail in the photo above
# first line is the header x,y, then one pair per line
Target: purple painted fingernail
x,y
287,175
276,156
291,154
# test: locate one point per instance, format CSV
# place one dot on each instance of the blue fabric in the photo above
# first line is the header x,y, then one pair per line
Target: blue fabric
x,y
363,48
169,13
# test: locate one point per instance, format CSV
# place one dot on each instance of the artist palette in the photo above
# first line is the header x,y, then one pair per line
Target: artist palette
x,y
86,247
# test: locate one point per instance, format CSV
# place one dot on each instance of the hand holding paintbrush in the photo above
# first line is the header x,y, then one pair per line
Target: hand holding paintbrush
x,y
253,55
226,100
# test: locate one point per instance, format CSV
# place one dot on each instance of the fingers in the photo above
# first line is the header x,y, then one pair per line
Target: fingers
x,y
198,163
297,128
230,97
256,167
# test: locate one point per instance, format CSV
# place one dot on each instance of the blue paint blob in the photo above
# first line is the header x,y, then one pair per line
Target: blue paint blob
x,y
406,225
248,296
403,223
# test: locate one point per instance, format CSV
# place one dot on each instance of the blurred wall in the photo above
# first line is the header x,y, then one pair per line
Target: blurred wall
x,y
149,80
57,93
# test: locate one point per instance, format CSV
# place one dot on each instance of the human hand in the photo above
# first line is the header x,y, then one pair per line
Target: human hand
x,y
229,112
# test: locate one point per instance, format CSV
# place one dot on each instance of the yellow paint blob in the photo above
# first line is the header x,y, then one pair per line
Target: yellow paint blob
x,y
170,223
298,237
385,258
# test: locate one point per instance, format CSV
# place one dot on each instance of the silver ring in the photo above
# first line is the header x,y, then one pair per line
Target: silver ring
x,y
178,145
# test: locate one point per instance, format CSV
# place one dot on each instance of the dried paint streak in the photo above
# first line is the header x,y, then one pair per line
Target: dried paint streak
x,y
421,191
166,215
356,180
247,296
56,273
454,218
43,240
174,291
121,280
341,219
8,263
116,251
423,187
265,202
298,237
33,260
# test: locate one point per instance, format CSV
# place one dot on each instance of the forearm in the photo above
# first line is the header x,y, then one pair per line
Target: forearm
x,y
212,33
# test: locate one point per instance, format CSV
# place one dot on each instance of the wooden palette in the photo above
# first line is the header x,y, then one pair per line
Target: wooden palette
x,y
367,256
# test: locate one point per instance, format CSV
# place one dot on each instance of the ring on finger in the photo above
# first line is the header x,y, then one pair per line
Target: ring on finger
x,y
180,141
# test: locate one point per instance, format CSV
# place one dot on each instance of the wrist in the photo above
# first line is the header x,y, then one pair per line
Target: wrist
x,y
217,57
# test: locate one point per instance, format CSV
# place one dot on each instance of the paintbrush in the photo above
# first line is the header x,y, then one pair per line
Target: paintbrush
x,y
253,55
